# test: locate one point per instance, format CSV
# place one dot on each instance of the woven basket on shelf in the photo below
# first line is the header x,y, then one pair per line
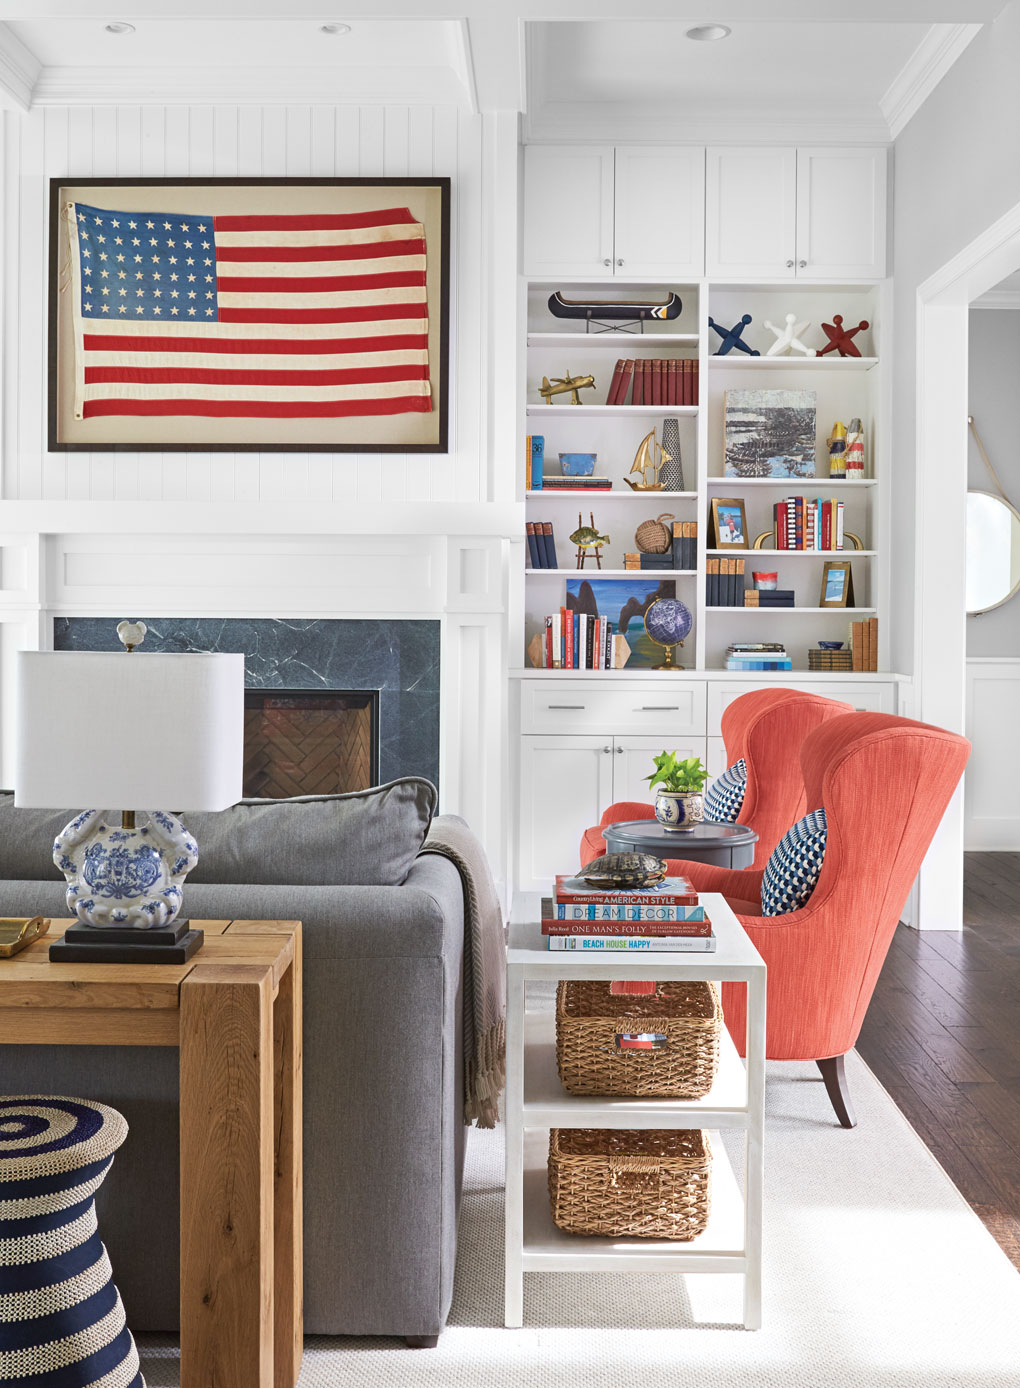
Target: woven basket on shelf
x,y
682,1022
647,1183
654,536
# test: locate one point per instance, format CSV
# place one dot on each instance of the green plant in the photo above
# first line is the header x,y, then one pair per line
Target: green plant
x,y
678,777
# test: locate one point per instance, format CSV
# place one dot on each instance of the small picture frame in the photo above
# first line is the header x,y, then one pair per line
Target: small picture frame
x,y
837,584
729,523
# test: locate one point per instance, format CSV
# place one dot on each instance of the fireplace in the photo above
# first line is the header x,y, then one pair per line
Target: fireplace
x,y
303,742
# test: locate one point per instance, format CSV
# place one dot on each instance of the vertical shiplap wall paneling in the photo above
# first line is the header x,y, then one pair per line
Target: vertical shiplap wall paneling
x,y
177,141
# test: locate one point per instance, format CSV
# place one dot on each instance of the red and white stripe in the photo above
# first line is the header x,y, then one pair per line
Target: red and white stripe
x,y
319,317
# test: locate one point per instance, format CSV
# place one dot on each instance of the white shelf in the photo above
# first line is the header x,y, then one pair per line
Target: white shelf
x,y
614,573
546,492
548,1249
714,672
741,361
548,1105
789,611
610,340
793,482
799,553
619,411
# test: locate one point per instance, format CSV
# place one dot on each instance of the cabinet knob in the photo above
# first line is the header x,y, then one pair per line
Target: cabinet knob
x,y
802,264
789,264
619,751
607,750
619,262
607,261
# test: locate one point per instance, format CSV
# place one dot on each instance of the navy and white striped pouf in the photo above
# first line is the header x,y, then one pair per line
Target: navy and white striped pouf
x,y
62,1324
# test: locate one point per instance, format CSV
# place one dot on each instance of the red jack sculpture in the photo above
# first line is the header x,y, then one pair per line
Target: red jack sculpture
x,y
841,339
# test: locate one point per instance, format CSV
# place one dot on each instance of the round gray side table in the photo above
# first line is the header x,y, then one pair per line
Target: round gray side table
x,y
724,845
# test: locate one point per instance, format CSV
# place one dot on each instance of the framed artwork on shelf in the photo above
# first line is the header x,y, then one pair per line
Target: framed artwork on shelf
x,y
770,433
261,314
729,523
837,584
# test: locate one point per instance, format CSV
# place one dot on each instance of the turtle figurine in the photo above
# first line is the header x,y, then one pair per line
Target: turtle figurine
x,y
615,870
586,538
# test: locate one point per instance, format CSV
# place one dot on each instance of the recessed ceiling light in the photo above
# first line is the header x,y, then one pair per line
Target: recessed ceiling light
x,y
709,33
334,28
119,28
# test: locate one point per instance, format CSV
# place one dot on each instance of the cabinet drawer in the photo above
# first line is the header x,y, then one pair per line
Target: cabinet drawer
x,y
873,697
579,706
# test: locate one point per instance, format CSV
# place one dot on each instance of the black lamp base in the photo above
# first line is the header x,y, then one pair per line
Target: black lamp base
x,y
84,944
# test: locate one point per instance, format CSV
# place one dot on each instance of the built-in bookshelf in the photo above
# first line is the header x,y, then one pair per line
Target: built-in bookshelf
x,y
843,387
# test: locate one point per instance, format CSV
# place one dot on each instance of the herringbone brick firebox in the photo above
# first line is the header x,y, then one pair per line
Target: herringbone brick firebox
x,y
304,742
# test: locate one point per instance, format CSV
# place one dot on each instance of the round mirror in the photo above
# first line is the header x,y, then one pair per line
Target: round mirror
x,y
993,551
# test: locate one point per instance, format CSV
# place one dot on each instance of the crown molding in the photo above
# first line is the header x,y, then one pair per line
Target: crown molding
x,y
115,86
941,46
598,123
999,298
19,71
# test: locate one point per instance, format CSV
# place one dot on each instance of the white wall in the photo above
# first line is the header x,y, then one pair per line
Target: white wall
x,y
955,174
235,141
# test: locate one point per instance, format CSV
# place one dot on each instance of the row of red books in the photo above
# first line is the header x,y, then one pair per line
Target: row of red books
x,y
655,381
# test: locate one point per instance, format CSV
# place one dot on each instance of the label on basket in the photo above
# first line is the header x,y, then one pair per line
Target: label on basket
x,y
641,1041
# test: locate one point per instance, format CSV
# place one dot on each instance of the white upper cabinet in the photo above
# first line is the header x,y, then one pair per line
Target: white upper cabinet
x,y
804,214
751,213
841,214
568,211
660,211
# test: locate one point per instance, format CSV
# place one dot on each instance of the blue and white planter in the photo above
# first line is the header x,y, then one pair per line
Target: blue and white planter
x,y
679,811
124,878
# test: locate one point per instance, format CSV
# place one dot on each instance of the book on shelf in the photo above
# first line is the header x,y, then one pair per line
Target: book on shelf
x,y
541,544
534,458
613,393
724,586
864,644
640,922
685,544
757,655
548,544
769,597
626,944
534,558
659,381
571,889
759,665
830,660
577,484
803,523
580,641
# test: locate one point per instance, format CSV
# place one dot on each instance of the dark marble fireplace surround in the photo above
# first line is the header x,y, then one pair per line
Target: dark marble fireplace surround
x,y
398,658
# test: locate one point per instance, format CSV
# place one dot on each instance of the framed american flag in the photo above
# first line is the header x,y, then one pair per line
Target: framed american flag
x,y
250,314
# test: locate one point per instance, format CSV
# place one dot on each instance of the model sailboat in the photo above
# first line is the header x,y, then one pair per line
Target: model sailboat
x,y
645,462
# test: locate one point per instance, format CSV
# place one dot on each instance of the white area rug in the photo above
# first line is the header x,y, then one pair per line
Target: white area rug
x,y
877,1275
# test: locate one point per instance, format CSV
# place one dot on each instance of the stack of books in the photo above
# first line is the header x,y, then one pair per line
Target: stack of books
x,y
541,545
655,381
682,554
769,597
864,644
757,655
830,660
577,484
666,916
724,582
577,641
805,524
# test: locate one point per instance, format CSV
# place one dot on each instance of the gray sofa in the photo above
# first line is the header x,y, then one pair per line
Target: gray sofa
x,y
383,1137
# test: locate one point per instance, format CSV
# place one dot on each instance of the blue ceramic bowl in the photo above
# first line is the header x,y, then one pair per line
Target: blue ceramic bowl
x,y
830,645
578,464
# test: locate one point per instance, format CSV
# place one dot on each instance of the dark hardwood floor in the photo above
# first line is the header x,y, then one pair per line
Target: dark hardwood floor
x,y
943,1036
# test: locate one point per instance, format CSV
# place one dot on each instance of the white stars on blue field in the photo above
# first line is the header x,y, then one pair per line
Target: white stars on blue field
x,y
146,266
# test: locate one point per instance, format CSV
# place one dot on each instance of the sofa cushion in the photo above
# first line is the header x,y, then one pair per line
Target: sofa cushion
x,y
367,839
793,869
725,796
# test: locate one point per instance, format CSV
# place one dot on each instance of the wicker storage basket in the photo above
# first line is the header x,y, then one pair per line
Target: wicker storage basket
x,y
649,1183
598,1050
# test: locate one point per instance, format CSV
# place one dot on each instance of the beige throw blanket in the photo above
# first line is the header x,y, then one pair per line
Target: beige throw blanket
x,y
484,969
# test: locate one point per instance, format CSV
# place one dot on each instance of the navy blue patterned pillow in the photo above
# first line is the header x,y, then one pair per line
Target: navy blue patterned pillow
x,y
725,796
792,870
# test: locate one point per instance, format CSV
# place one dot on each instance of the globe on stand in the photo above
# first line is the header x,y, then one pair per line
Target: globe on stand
x,y
667,622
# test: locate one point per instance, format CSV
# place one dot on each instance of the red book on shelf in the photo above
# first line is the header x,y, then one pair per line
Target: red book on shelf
x,y
567,619
658,397
689,382
695,382
616,384
628,375
698,930
671,380
779,512
573,890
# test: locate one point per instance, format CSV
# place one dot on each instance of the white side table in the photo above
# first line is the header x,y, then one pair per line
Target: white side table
x,y
536,1101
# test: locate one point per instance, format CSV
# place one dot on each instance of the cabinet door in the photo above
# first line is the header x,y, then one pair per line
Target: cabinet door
x,y
751,213
660,212
568,211
566,783
632,762
841,214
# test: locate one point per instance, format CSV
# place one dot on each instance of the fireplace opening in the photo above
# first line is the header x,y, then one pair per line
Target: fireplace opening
x,y
310,742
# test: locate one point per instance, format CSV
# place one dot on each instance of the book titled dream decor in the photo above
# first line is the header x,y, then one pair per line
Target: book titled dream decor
x,y
770,433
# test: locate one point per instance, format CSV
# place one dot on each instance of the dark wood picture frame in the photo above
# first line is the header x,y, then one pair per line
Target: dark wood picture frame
x,y
439,369
732,503
846,598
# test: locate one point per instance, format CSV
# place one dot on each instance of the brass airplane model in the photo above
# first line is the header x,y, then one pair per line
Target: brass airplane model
x,y
561,384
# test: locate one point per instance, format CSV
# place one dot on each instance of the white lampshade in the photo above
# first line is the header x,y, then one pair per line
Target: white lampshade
x,y
118,731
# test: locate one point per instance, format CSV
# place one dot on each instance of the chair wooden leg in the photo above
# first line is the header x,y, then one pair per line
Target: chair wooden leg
x,y
421,1341
834,1074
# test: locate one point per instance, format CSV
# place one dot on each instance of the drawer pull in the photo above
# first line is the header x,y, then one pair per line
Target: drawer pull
x,y
573,707
658,708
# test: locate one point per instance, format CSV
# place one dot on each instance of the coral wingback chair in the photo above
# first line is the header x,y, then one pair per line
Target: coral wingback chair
x,y
764,728
884,783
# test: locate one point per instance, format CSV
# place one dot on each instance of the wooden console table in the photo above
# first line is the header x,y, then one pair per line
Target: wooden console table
x,y
234,1012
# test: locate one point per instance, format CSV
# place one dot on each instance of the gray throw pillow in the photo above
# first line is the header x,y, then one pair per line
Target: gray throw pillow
x,y
367,839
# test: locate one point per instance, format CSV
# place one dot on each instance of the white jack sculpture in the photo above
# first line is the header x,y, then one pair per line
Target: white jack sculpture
x,y
788,338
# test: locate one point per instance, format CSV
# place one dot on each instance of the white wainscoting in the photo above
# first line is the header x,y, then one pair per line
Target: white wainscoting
x,y
255,141
992,783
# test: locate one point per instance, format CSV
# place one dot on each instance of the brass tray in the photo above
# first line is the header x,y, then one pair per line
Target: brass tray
x,y
16,932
